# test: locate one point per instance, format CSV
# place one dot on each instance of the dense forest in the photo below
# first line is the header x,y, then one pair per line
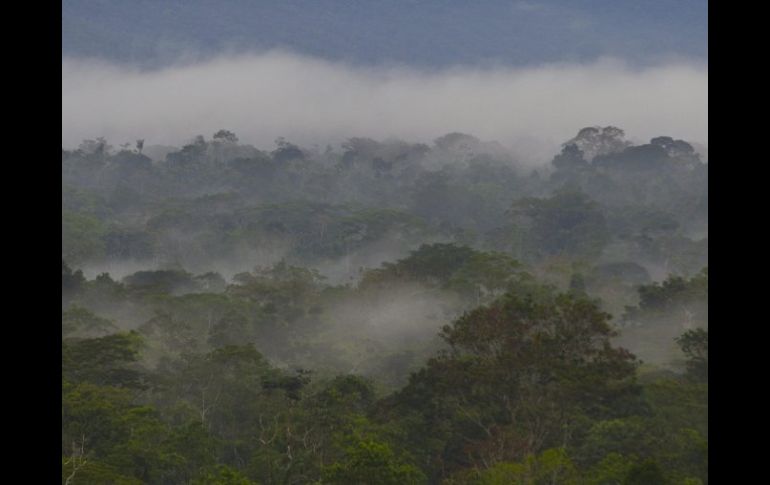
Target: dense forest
x,y
385,312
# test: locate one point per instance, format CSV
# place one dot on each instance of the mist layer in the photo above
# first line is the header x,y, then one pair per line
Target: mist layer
x,y
262,97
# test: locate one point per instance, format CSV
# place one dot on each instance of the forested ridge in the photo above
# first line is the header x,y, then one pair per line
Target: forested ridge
x,y
385,312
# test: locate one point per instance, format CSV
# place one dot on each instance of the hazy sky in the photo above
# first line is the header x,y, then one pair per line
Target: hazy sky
x,y
437,33
308,100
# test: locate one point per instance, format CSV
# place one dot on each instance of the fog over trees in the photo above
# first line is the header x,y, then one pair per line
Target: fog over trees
x,y
382,311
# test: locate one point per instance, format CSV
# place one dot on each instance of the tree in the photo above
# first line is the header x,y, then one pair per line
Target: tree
x,y
226,136
521,376
681,298
549,467
98,148
286,151
71,281
568,223
224,475
80,320
161,281
635,158
571,157
106,361
82,237
434,262
647,473
594,141
374,463
190,155
695,345
229,330
677,149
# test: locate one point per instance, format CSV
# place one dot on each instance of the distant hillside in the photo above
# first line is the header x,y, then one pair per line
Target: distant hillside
x,y
428,33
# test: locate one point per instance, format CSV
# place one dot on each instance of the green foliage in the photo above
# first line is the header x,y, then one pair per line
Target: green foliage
x,y
647,473
81,237
523,375
665,311
624,437
674,290
77,471
568,223
104,360
77,319
611,470
164,281
373,463
71,281
435,262
475,275
224,475
550,466
695,345
291,385
509,380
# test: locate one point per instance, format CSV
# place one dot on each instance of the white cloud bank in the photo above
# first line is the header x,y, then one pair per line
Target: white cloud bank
x,y
311,101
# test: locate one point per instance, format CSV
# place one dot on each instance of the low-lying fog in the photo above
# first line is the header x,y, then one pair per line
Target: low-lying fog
x,y
311,101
